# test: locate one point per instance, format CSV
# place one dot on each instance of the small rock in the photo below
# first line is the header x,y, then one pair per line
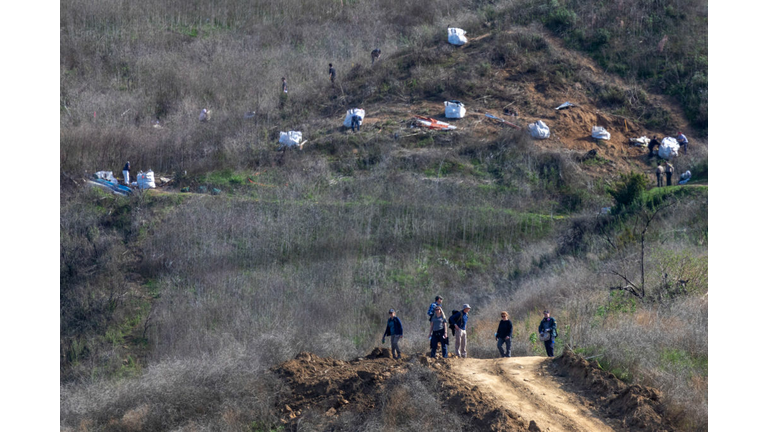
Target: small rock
x,y
331,412
288,408
533,427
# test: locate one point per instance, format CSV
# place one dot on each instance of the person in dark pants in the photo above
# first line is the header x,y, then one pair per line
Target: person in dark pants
x,y
285,86
438,332
669,170
395,332
356,120
659,174
331,73
683,141
548,333
653,144
375,54
504,335
438,302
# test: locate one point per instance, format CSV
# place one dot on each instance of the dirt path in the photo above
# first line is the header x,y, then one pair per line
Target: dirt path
x,y
523,385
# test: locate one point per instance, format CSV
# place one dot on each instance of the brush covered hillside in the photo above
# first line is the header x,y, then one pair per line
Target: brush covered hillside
x,y
217,301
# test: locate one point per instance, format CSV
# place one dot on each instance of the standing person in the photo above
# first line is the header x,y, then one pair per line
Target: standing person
x,y
395,332
461,332
285,86
548,333
683,141
375,54
332,73
127,173
659,173
504,335
431,311
438,332
670,169
653,144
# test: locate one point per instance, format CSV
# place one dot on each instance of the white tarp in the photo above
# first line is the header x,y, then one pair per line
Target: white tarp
x,y
641,142
538,130
669,147
454,109
684,178
106,175
457,36
599,132
290,139
146,180
351,113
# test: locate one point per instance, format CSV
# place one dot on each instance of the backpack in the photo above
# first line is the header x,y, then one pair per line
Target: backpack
x,y
453,320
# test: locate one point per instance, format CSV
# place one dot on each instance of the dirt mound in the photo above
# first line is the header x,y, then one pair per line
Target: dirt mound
x,y
637,407
336,387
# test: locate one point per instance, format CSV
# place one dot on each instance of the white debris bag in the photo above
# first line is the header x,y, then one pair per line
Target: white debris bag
x,y
455,109
641,142
599,132
146,180
457,36
669,147
539,130
351,113
290,139
106,175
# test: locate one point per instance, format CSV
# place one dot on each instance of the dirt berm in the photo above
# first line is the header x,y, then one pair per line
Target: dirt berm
x,y
512,394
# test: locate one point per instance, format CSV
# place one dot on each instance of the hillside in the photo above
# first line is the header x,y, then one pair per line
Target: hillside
x,y
194,298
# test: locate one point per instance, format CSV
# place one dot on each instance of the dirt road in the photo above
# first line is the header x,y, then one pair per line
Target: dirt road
x,y
523,385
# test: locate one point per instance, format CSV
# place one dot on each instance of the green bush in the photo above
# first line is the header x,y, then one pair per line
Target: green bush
x,y
629,190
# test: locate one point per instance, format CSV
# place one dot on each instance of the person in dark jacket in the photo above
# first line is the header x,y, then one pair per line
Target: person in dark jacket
x,y
332,72
127,173
395,332
375,54
284,86
431,311
461,332
504,335
438,332
356,120
652,145
548,331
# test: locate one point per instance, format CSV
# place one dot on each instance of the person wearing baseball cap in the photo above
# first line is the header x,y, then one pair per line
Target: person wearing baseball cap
x,y
461,332
395,332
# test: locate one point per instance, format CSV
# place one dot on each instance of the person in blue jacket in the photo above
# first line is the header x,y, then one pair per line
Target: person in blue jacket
x,y
395,332
548,333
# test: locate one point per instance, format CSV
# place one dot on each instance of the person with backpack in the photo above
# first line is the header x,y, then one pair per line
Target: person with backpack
x,y
461,332
504,335
548,333
395,332
431,311
438,332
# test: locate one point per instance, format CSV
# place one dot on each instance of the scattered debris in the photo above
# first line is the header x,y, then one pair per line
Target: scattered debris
x,y
457,36
215,191
290,139
106,175
146,180
249,115
565,105
539,130
605,210
109,186
502,121
205,115
684,178
431,123
599,132
640,142
351,113
668,148
454,109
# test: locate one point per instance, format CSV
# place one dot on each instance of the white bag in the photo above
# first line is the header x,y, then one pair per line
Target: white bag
x,y
351,113
290,139
539,130
106,175
456,36
146,180
599,132
668,148
454,110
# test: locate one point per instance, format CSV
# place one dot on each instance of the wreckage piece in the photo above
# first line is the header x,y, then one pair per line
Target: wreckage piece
x,y
538,130
565,105
290,139
457,36
431,123
502,121
599,132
